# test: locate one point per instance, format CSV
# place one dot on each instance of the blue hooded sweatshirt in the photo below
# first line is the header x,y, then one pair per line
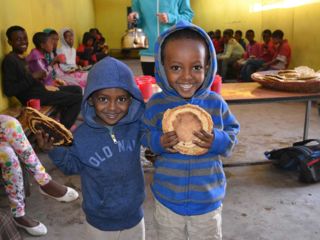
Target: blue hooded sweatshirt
x,y
190,185
108,158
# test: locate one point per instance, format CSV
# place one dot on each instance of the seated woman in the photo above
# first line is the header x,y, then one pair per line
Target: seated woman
x,y
85,51
69,67
100,47
14,146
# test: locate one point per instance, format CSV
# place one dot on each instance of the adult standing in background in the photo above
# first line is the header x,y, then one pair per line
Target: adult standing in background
x,y
154,17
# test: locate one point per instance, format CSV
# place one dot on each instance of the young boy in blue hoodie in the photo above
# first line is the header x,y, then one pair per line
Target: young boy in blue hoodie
x,y
106,153
188,190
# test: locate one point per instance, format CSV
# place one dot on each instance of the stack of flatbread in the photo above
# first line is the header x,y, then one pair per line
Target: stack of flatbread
x,y
290,76
184,120
36,121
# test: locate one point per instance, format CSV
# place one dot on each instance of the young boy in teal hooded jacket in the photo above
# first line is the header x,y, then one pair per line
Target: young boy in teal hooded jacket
x,y
188,190
106,153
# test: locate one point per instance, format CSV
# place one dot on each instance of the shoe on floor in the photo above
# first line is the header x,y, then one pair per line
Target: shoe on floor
x,y
69,196
38,230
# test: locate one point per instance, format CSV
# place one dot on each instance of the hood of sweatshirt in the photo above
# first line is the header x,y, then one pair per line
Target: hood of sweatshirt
x,y
160,73
112,73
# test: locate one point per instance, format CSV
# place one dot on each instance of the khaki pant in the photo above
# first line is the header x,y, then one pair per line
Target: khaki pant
x,y
135,233
170,225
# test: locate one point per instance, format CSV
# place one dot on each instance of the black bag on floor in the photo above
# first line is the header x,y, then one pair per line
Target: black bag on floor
x,y
302,156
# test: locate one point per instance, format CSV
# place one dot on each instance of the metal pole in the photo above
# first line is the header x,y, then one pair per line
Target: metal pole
x,y
158,22
307,120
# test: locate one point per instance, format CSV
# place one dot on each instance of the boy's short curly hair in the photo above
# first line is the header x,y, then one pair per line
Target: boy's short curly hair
x,y
13,29
277,34
183,34
40,38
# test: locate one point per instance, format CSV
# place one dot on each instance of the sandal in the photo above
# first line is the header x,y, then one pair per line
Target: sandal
x,y
38,230
69,196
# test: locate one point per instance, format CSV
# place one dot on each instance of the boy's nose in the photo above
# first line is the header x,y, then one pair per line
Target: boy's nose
x,y
187,74
111,106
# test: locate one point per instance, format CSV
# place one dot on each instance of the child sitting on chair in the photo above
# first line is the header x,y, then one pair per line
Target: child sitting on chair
x,y
19,82
85,51
70,67
37,58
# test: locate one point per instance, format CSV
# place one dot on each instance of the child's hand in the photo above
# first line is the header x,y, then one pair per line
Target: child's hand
x,y
39,75
132,17
59,82
168,140
206,139
44,141
163,17
51,88
149,155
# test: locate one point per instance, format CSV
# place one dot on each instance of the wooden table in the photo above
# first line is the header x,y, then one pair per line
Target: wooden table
x,y
253,93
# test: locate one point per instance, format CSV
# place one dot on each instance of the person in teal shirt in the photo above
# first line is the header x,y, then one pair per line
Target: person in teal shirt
x,y
154,17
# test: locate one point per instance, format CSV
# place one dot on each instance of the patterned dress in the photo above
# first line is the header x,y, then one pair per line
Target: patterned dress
x,y
14,146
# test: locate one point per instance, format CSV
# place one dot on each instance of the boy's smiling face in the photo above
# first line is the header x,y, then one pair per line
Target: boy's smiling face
x,y
19,41
185,63
111,105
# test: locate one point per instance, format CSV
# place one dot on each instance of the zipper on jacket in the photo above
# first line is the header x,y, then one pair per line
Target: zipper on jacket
x,y
112,135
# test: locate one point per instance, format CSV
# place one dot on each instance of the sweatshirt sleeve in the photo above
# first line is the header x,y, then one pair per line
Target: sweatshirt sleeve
x,y
152,134
12,84
225,139
66,159
184,12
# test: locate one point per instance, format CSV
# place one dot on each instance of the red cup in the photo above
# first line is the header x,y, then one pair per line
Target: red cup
x,y
216,85
34,103
145,85
62,58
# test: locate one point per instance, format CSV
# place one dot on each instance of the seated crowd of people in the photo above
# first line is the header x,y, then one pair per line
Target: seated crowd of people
x,y
240,60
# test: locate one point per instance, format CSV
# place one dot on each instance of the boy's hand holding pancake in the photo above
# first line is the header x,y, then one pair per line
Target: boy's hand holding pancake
x,y
206,139
168,140
44,141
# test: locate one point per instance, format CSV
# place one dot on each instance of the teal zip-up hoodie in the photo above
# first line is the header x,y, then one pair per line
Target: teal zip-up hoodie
x,y
176,10
108,158
190,185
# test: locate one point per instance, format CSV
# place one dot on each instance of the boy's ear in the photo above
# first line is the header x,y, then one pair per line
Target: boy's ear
x,y
9,42
90,101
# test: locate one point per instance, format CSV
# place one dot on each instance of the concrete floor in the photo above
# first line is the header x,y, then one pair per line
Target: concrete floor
x,y
262,202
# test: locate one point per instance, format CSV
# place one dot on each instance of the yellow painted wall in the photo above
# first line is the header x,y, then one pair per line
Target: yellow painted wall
x,y
300,24
35,15
111,20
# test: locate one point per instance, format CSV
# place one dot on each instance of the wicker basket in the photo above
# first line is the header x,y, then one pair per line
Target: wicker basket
x,y
307,86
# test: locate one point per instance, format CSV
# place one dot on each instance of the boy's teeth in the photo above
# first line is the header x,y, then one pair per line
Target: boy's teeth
x,y
186,86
